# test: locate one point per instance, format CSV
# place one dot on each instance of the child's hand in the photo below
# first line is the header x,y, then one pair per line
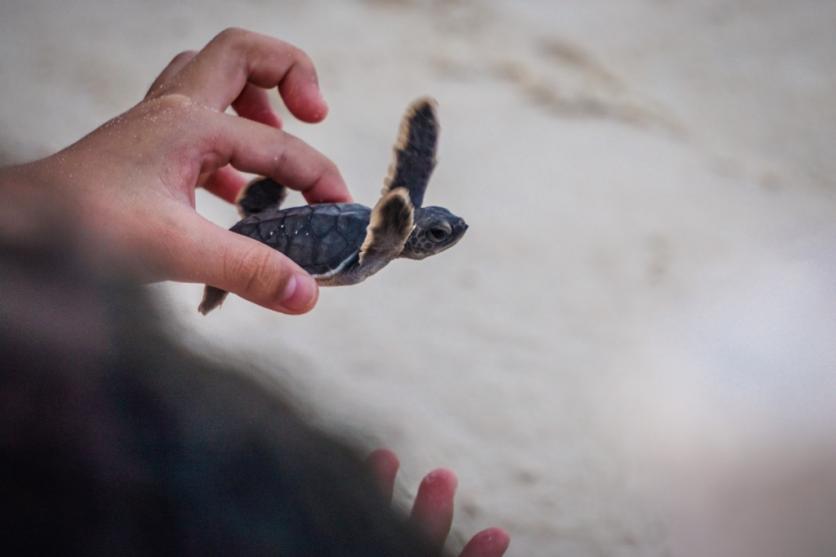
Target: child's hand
x,y
432,512
133,179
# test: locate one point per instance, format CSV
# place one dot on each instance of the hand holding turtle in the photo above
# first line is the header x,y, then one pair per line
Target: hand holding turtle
x,y
132,180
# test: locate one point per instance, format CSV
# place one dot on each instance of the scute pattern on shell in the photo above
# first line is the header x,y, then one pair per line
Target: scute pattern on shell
x,y
319,238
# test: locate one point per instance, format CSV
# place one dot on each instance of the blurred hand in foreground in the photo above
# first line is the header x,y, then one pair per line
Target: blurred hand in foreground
x,y
132,181
432,512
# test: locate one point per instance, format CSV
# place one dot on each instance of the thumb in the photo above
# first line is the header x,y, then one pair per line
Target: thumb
x,y
246,267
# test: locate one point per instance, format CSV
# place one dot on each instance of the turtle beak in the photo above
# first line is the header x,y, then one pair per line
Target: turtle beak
x,y
459,228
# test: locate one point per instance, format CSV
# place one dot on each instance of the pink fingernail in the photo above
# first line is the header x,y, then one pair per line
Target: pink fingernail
x,y
299,293
323,110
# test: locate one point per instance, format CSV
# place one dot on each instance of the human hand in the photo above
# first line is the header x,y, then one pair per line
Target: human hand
x,y
132,181
432,512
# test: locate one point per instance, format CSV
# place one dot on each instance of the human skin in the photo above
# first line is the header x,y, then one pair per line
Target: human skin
x,y
133,180
132,183
432,511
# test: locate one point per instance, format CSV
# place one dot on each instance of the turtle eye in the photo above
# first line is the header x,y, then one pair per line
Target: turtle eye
x,y
438,234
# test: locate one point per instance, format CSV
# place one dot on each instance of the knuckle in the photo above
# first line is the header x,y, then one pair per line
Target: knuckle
x,y
165,109
301,60
329,167
231,36
304,59
183,56
164,80
173,102
168,107
328,170
297,54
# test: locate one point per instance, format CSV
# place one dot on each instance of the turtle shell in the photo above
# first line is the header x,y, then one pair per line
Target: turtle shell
x,y
319,238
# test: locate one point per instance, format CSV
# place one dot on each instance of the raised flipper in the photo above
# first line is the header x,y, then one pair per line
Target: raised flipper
x,y
259,195
414,158
390,224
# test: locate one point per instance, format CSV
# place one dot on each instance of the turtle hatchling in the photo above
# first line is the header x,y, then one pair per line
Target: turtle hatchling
x,y
345,243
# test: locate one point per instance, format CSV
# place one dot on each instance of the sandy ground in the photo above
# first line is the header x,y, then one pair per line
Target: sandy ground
x,y
632,351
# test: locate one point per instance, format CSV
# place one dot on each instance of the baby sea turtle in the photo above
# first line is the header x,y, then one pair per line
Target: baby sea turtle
x,y
344,243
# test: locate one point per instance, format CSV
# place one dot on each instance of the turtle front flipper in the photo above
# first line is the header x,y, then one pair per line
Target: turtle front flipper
x,y
259,195
414,157
389,227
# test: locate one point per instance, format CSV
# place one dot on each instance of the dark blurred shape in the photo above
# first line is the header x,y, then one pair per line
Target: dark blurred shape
x,y
114,440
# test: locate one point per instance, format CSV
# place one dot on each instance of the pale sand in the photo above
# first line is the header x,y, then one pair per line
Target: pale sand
x,y
632,351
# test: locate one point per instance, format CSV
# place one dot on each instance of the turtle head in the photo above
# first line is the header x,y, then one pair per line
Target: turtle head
x,y
436,229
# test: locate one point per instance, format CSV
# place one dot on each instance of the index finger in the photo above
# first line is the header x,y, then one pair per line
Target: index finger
x,y
218,74
253,147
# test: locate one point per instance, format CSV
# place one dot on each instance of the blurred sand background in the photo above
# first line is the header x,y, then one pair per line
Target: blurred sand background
x,y
633,350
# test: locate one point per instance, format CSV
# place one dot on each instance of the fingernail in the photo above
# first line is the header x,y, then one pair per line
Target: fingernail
x,y
323,111
323,104
299,293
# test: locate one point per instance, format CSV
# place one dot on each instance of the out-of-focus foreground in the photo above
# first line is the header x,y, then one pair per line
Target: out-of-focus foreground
x,y
632,350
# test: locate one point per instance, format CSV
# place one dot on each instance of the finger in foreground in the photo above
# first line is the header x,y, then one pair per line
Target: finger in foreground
x,y
492,542
207,253
384,465
253,147
432,513
235,57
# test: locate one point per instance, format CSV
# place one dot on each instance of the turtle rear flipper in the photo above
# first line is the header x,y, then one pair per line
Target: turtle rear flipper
x,y
414,157
389,227
212,298
259,195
